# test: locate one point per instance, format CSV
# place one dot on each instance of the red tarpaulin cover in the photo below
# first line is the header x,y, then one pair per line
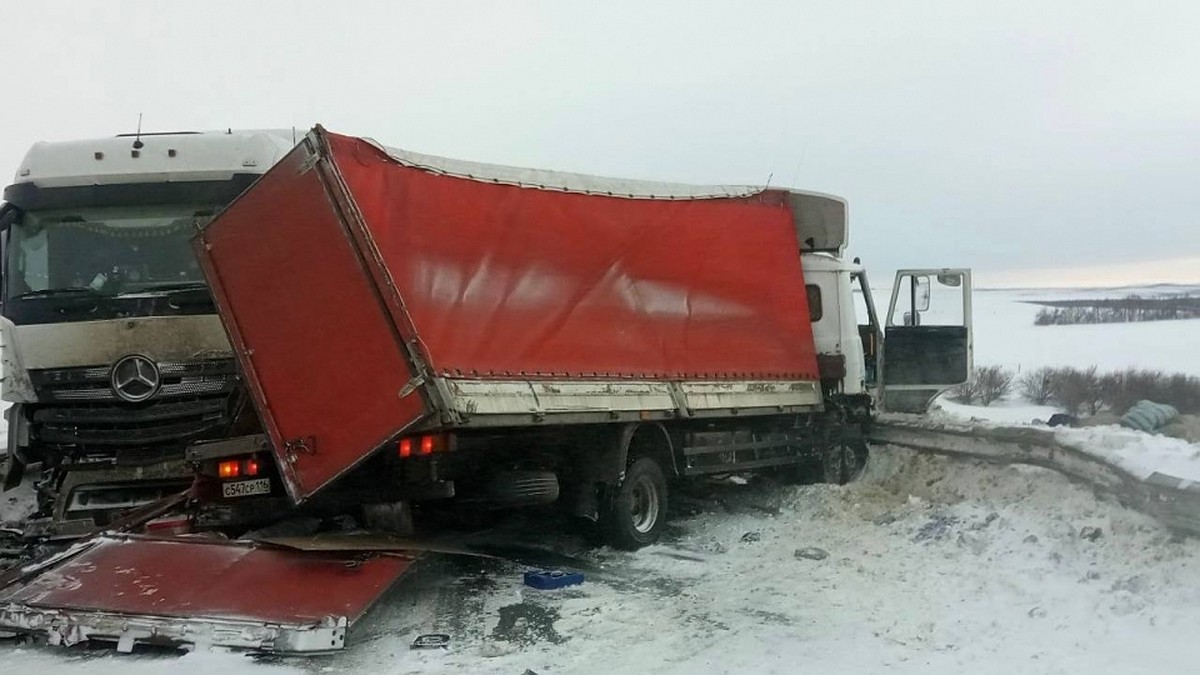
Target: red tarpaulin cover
x,y
506,281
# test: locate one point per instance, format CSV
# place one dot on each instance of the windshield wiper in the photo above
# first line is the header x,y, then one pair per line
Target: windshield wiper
x,y
169,287
68,292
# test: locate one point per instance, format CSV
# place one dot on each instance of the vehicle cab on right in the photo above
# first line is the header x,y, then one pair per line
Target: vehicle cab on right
x,y
899,361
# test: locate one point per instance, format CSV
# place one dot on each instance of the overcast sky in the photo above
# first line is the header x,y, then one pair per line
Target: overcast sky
x,y
1050,142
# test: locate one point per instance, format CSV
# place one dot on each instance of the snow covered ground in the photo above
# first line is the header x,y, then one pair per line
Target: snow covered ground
x,y
933,566
1005,334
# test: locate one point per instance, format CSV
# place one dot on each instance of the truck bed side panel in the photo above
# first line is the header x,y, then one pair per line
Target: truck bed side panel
x,y
321,354
508,282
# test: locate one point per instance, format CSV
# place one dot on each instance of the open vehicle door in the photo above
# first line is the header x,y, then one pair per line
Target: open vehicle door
x,y
927,346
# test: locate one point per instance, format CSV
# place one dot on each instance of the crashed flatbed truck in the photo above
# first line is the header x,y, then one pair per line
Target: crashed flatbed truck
x,y
440,329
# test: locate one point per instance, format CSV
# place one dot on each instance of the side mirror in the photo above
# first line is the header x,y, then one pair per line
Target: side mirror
x,y
921,293
952,280
8,216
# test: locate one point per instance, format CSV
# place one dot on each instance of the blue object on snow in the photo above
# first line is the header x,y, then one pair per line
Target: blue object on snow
x,y
545,580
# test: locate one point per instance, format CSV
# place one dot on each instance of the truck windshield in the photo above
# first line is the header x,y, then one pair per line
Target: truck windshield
x,y
106,251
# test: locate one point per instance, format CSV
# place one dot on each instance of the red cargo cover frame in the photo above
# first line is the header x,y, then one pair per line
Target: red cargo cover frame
x,y
349,280
323,359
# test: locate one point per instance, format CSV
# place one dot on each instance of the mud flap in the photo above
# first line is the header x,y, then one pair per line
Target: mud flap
x,y
189,592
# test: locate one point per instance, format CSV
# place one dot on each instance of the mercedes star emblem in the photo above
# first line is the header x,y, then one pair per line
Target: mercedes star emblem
x,y
135,378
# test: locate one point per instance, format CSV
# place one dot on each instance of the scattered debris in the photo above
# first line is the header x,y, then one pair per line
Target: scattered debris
x,y
937,528
812,553
751,537
991,518
545,580
1090,533
1063,420
431,641
974,543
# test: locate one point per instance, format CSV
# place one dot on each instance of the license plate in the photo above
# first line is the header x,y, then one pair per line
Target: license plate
x,y
245,488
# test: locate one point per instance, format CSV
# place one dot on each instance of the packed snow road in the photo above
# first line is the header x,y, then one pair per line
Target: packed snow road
x,y
927,565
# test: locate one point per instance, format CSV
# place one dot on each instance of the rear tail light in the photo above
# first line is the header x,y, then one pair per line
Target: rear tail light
x,y
422,445
236,468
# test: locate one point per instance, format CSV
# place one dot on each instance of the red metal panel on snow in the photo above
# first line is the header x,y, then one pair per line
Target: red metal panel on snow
x,y
511,282
321,355
199,579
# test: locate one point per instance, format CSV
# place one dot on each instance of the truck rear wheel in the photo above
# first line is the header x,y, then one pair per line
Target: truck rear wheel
x,y
638,508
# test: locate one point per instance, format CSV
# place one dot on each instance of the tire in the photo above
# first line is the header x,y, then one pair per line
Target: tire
x,y
637,511
845,460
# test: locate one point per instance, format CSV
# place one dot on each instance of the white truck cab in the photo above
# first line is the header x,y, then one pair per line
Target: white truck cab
x,y
113,355
927,328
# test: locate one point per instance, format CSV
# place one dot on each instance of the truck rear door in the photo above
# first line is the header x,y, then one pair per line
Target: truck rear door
x,y
261,257
927,345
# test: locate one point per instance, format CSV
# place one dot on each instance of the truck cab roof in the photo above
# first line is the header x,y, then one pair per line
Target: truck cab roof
x,y
153,158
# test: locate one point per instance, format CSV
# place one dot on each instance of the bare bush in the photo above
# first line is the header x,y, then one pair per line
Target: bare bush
x,y
1077,390
1183,392
987,385
967,392
1124,388
993,383
1037,386
1083,391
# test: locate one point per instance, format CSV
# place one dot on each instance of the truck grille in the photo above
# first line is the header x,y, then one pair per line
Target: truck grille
x,y
78,408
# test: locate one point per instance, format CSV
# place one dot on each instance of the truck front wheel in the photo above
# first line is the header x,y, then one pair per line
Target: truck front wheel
x,y
845,460
638,509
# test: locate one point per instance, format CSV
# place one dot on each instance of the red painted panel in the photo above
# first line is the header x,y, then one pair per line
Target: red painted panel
x,y
504,281
321,355
211,580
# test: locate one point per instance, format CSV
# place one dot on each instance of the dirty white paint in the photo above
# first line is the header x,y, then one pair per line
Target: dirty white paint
x,y
101,343
555,396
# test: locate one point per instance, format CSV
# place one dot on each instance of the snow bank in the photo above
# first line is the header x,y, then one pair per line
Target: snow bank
x,y
1139,453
